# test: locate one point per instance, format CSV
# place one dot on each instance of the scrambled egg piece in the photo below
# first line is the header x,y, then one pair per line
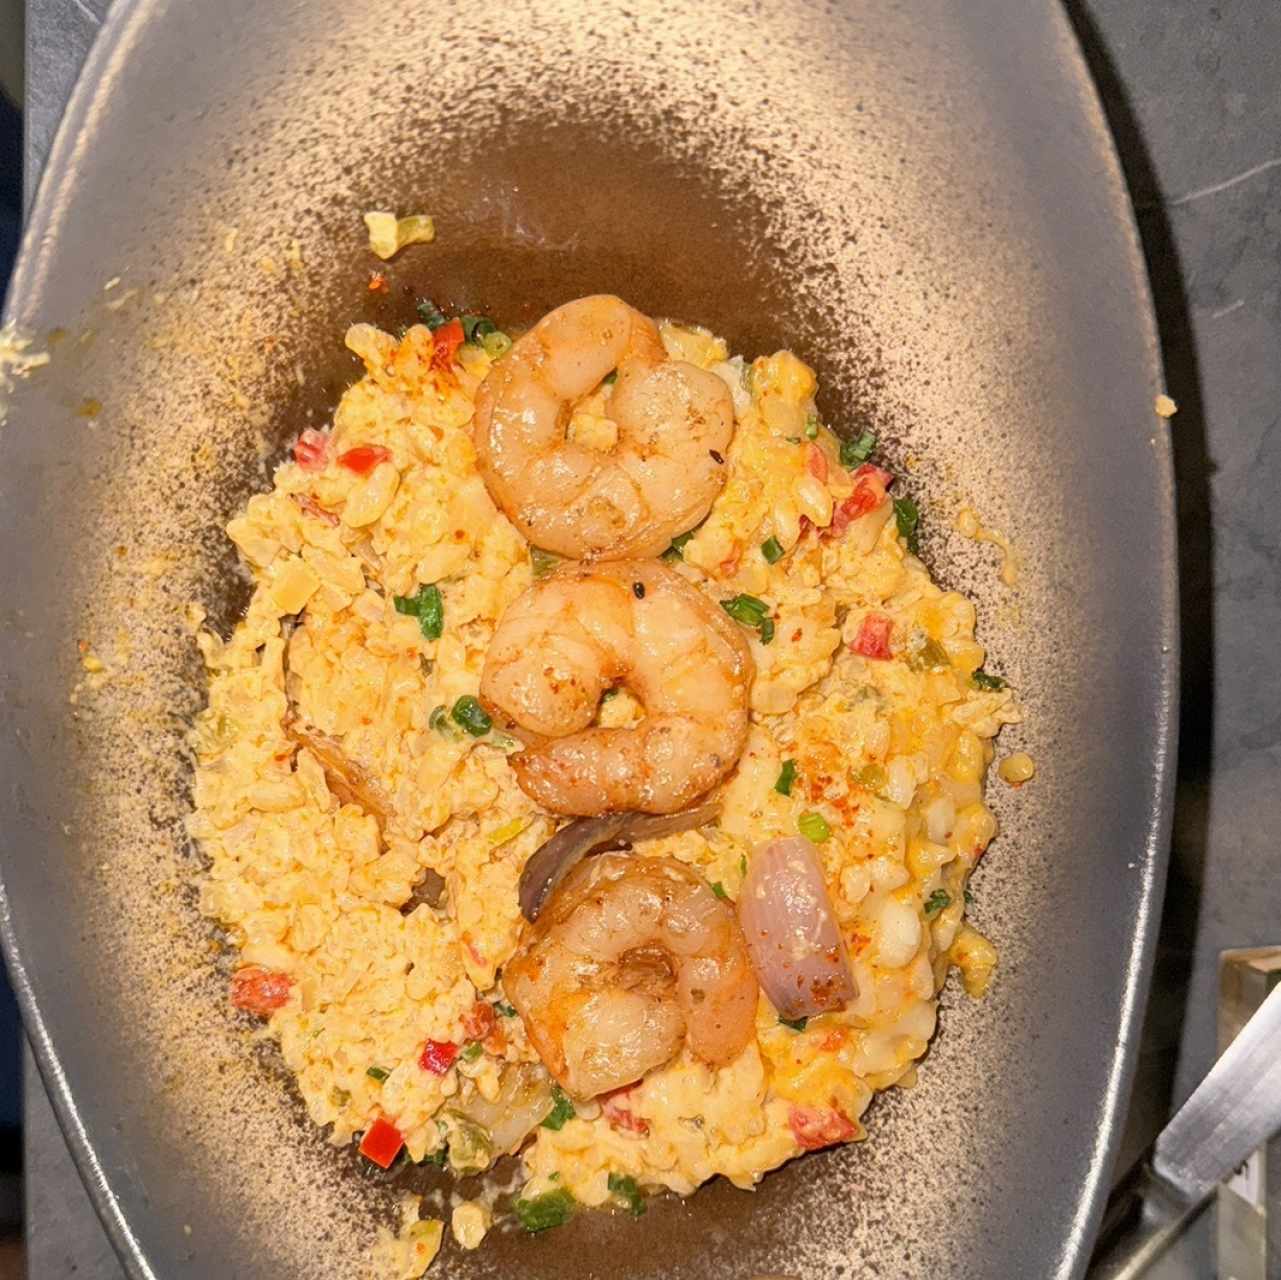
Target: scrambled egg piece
x,y
365,843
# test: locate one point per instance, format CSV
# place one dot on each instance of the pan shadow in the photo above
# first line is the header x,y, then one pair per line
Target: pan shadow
x,y
1152,1099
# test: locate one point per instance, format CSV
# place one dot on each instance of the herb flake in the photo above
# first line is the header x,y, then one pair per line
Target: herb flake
x,y
938,901
624,1189
430,314
813,826
786,776
561,1112
677,550
855,452
551,1209
907,516
470,715
981,680
428,606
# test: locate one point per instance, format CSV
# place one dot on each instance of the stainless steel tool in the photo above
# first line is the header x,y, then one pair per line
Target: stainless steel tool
x,y
1232,1113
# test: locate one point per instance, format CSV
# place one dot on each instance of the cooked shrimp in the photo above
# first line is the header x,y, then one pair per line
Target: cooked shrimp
x,y
631,958
674,424
586,628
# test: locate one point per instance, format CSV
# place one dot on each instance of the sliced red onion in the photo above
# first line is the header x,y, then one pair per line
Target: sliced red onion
x,y
551,862
791,931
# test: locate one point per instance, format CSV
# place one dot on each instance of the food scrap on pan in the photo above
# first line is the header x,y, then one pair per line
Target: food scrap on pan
x,y
640,851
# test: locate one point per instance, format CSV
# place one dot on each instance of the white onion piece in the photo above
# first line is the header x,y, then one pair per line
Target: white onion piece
x,y
940,818
791,931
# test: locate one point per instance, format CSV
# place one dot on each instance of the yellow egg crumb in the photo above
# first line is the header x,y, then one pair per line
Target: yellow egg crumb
x,y
469,1223
1016,769
1165,407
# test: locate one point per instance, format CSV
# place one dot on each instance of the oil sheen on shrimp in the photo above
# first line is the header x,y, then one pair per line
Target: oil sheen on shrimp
x,y
632,958
589,627
674,424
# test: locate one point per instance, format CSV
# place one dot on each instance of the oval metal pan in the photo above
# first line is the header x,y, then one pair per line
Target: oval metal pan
x,y
922,199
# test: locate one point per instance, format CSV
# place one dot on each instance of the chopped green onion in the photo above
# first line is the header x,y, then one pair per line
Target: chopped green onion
x,y
437,1157
472,1051
496,344
503,1009
873,777
981,680
797,1024
907,515
746,609
551,1209
813,826
430,314
439,720
562,1110
786,776
767,630
928,656
476,327
742,864
811,426
610,378
937,901
854,452
719,890
428,606
969,897
542,562
377,1073
471,716
772,550
628,1192
610,693
677,550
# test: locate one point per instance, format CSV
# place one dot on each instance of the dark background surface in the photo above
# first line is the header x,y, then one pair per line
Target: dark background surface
x,y
1192,93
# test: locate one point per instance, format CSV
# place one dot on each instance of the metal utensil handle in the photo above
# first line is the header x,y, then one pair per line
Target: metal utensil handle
x,y
1144,1215
1232,1112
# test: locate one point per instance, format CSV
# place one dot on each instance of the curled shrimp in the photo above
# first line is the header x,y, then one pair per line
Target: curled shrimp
x,y
631,958
674,424
586,628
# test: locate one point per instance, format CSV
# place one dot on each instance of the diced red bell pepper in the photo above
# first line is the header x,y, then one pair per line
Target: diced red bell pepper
x,y
816,462
445,343
310,449
815,1127
258,990
873,639
364,458
382,1143
619,1115
870,484
438,1056
479,1020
